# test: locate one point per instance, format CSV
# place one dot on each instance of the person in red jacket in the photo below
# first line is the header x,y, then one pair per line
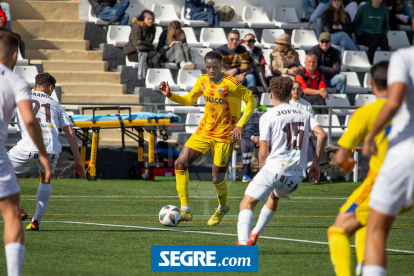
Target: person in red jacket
x,y
3,19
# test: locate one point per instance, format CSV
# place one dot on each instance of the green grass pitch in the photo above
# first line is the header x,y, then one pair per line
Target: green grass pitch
x,y
129,209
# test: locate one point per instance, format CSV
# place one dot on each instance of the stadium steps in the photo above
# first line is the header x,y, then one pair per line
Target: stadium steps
x,y
45,10
92,98
86,77
46,54
49,29
56,44
92,89
58,65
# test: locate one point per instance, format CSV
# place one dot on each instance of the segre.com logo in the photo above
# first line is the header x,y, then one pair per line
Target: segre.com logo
x,y
204,258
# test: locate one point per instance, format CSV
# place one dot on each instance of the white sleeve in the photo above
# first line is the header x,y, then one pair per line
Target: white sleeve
x,y
313,123
64,119
398,69
21,90
264,128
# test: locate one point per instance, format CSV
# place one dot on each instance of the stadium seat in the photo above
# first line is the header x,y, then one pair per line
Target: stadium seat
x,y
134,10
12,129
367,77
382,56
356,61
198,56
352,83
177,108
286,18
155,76
304,39
266,100
28,73
339,100
347,119
191,38
187,78
192,23
266,55
256,17
302,56
213,37
363,99
54,96
20,59
193,119
118,35
269,36
158,31
235,22
244,31
397,39
131,63
323,120
164,14
94,19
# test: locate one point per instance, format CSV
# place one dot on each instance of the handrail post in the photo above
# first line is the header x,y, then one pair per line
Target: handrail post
x,y
330,126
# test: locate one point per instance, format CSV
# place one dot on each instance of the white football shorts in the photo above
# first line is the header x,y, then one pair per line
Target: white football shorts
x,y
267,180
23,161
8,180
394,186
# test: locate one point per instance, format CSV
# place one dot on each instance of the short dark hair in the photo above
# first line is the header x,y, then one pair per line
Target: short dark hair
x,y
234,32
45,80
142,15
379,74
281,87
250,34
9,44
213,55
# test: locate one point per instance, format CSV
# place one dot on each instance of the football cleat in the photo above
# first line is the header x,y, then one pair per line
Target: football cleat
x,y
34,225
253,238
23,214
217,217
248,243
186,216
246,178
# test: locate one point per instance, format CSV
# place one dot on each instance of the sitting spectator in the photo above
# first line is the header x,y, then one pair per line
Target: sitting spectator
x,y
337,22
172,47
139,47
257,61
250,135
297,99
351,7
236,59
198,10
3,20
371,27
400,13
313,10
313,84
329,63
6,9
284,59
111,10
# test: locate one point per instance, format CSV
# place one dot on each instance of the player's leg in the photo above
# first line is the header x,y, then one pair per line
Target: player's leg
x,y
360,238
245,221
266,215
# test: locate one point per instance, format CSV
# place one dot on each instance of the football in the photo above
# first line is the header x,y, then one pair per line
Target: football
x,y
170,216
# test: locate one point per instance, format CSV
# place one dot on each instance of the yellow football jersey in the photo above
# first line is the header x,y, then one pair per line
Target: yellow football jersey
x,y
359,126
223,106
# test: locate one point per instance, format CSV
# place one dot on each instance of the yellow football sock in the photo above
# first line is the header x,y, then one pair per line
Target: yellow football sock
x,y
222,193
182,179
360,243
340,248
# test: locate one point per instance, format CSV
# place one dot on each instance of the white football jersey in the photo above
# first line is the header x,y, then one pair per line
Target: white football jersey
x,y
50,115
303,104
287,128
401,69
13,89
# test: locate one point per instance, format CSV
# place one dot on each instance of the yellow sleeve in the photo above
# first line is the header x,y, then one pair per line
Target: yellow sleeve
x,y
241,92
357,130
191,97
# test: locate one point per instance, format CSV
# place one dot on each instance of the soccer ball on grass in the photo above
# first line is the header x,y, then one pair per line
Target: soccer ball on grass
x,y
170,215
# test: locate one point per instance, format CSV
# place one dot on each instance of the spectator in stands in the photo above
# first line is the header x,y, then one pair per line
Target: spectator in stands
x,y
257,61
111,10
297,99
337,22
329,63
199,10
172,47
139,47
6,10
351,7
313,84
236,59
313,10
400,13
3,20
371,27
250,135
284,59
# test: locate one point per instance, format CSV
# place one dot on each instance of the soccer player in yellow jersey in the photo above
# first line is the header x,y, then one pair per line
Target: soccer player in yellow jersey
x,y
353,215
219,129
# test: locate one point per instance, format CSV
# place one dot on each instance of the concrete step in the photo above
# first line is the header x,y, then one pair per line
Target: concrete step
x,y
87,98
86,77
79,108
66,65
56,44
49,29
45,10
92,89
64,55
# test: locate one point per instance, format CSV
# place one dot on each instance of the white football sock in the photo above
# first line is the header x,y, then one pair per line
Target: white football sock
x,y
43,196
244,225
186,208
266,215
222,208
14,256
373,270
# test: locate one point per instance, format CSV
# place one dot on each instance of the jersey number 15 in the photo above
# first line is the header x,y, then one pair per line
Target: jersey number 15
x,y
297,135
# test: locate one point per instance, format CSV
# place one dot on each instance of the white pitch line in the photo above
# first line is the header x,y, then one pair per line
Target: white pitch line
x,y
202,232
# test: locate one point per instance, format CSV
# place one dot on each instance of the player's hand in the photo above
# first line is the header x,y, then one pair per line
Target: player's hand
x,y
314,171
78,167
44,160
369,148
348,165
236,134
255,140
165,89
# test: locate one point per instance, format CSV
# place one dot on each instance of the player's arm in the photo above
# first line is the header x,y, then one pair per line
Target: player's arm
x,y
320,134
264,138
33,128
344,160
188,99
246,95
263,153
73,143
